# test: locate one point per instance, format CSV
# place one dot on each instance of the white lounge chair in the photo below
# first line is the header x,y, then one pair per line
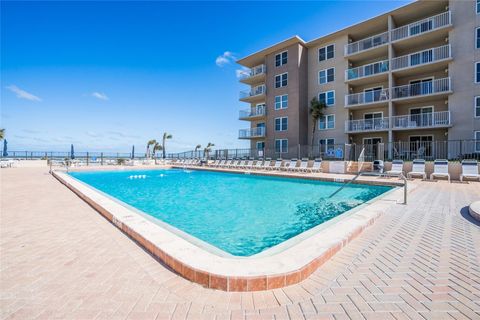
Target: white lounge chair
x,y
418,169
397,168
440,169
259,164
291,165
267,163
303,166
240,164
469,170
277,165
316,167
249,164
214,163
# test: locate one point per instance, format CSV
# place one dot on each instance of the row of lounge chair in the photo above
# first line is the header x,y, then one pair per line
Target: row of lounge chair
x,y
260,164
440,169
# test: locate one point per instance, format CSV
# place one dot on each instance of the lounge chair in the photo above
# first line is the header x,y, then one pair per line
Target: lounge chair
x,y
248,164
470,170
214,163
291,165
267,163
240,164
440,169
316,167
303,166
418,169
277,165
259,164
397,168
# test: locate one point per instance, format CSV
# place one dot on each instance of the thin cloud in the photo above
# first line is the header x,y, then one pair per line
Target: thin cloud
x,y
100,95
226,58
242,71
22,94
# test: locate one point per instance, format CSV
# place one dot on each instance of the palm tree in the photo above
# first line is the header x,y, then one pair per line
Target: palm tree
x,y
207,150
165,137
2,134
198,146
316,110
150,143
156,147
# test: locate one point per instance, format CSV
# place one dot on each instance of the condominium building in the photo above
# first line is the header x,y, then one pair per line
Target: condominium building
x,y
410,75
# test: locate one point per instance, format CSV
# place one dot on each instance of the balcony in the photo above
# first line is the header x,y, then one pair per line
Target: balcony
x,y
367,71
422,58
421,27
253,75
251,133
252,114
419,121
366,98
366,125
422,89
366,44
254,94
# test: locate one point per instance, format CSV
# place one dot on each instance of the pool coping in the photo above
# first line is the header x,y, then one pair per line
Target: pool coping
x,y
280,269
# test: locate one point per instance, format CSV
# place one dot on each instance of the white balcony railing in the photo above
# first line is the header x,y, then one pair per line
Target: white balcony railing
x,y
251,113
362,125
366,97
367,43
424,120
422,26
260,69
367,70
255,91
422,57
251,133
423,88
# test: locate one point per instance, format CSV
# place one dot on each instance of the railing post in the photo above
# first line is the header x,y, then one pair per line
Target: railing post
x,y
101,158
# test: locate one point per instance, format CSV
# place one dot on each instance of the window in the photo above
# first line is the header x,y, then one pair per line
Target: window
x,y
478,7
327,142
281,59
281,124
327,97
327,147
326,53
281,102
281,80
477,38
326,122
281,145
327,75
260,145
477,72
477,106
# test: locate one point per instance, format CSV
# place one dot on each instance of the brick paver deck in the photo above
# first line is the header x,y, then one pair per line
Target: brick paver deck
x,y
61,260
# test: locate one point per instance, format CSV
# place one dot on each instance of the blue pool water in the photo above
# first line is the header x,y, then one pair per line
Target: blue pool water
x,y
240,214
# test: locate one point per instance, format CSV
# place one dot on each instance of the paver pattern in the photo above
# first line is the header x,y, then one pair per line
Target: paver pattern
x,y
61,260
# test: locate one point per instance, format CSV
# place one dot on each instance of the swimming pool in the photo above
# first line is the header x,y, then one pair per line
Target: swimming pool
x,y
240,214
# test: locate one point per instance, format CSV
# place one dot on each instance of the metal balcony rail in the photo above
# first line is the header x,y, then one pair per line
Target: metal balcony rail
x,y
422,26
260,69
423,88
253,112
258,90
367,70
251,133
367,43
366,97
423,120
360,125
422,57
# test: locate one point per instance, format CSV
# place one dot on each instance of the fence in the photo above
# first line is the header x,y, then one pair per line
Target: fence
x,y
455,150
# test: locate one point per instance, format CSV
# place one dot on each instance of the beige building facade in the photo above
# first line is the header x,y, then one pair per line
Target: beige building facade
x,y
407,77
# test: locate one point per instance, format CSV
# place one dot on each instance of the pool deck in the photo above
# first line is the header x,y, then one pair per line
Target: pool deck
x,y
61,260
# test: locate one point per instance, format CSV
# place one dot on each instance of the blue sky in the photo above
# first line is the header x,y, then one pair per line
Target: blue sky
x,y
108,75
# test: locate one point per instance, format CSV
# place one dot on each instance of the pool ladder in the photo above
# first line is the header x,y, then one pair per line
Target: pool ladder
x,y
373,174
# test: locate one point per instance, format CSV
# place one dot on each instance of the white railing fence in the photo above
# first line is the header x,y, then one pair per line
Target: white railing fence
x,y
419,27
252,132
366,124
260,69
253,112
422,57
424,120
258,90
366,97
422,88
367,43
367,70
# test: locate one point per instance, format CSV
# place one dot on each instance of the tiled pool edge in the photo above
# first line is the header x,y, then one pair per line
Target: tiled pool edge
x,y
230,280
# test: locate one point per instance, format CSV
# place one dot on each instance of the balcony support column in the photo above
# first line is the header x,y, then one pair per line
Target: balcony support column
x,y
391,26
